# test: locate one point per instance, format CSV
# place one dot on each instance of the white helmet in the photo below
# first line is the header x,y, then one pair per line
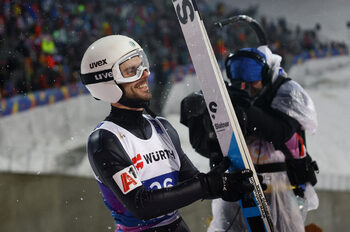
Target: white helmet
x,y
100,71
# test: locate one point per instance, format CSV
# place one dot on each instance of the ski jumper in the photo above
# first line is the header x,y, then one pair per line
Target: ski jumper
x,y
137,161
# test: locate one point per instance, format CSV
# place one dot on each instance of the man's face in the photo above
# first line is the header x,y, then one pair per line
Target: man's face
x,y
137,89
254,88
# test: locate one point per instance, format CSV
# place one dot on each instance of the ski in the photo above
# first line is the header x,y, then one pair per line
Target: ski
x,y
232,143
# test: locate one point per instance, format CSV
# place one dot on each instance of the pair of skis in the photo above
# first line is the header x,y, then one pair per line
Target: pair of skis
x,y
254,206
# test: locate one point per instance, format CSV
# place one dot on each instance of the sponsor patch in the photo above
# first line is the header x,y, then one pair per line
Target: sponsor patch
x,y
127,179
137,161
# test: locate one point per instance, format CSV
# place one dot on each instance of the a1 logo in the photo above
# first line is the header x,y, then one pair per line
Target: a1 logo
x,y
127,179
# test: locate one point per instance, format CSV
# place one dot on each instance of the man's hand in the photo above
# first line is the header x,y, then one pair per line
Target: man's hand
x,y
228,186
236,184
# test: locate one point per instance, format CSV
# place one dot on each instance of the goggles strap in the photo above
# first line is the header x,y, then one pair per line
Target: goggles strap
x,y
97,77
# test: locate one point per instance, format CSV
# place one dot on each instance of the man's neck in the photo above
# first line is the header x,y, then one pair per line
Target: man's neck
x,y
121,106
130,119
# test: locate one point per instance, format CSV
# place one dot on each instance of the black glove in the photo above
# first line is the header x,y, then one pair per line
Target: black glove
x,y
228,186
192,106
195,116
215,159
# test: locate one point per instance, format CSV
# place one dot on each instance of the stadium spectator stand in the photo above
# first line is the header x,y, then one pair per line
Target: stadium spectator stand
x,y
42,42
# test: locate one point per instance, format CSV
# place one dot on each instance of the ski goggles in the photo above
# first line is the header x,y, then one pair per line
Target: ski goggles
x,y
247,66
130,67
133,65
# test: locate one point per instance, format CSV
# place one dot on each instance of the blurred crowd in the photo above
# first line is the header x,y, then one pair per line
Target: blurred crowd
x,y
284,39
42,41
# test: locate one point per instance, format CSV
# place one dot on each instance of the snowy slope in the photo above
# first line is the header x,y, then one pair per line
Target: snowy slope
x,y
328,83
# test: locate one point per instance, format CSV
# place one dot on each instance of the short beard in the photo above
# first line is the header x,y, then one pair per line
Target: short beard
x,y
131,102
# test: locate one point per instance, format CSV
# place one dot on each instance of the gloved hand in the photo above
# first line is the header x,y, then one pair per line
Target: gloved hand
x,y
195,116
192,106
215,158
228,186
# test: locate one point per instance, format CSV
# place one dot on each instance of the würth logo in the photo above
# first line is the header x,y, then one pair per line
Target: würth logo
x,y
98,63
137,161
158,155
151,157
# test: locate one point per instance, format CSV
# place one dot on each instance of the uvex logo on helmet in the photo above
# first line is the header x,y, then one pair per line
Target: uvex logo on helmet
x,y
103,76
97,63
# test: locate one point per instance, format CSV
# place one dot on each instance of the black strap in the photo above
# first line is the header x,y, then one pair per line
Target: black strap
x,y
286,151
97,77
273,167
265,97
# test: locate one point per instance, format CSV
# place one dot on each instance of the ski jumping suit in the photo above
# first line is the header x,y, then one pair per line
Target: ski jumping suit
x,y
134,162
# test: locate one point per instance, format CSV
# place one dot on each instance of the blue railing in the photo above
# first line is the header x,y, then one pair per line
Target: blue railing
x,y
318,53
28,101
